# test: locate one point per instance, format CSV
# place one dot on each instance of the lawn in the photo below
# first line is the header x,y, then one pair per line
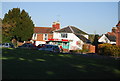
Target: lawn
x,y
35,64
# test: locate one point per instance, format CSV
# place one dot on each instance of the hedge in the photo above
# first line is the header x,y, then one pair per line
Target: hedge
x,y
108,50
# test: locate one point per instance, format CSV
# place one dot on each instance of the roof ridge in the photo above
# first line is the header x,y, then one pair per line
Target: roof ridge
x,y
71,29
61,29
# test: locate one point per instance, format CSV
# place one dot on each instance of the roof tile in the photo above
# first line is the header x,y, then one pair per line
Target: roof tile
x,y
71,29
43,29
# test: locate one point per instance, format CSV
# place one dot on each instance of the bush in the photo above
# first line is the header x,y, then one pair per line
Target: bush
x,y
108,50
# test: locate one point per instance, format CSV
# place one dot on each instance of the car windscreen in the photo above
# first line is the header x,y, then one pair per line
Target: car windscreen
x,y
6,44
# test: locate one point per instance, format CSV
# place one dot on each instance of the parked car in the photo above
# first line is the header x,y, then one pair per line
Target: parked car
x,y
27,46
7,45
0,44
51,48
40,45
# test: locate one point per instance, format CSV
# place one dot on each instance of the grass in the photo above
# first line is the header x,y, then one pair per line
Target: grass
x,y
35,64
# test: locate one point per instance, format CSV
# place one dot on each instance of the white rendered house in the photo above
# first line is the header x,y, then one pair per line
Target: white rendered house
x,y
70,38
107,39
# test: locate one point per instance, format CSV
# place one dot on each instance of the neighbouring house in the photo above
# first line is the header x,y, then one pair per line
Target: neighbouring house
x,y
111,37
42,34
106,38
70,38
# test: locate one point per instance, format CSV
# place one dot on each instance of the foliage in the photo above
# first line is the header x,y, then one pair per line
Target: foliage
x,y
0,30
108,50
17,24
91,37
95,43
14,41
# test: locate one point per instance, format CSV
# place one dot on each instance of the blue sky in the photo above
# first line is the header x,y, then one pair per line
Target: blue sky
x,y
90,17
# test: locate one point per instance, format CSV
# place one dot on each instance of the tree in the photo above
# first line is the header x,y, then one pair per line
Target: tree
x,y
0,30
91,37
17,25
95,42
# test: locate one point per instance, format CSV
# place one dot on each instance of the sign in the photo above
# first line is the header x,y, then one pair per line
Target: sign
x,y
54,39
65,40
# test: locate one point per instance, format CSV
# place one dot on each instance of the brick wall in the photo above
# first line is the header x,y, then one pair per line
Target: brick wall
x,y
90,47
39,37
118,39
50,36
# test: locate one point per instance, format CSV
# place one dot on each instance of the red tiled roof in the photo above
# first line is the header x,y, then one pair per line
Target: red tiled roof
x,y
43,29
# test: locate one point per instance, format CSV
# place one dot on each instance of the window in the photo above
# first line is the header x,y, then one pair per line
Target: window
x,y
34,36
45,36
106,40
64,35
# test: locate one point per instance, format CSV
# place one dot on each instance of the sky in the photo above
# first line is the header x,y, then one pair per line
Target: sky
x,y
91,17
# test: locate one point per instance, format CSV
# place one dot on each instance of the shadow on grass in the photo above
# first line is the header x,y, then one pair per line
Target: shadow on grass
x,y
34,64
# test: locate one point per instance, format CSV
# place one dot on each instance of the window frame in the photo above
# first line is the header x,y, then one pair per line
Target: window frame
x,y
45,36
64,35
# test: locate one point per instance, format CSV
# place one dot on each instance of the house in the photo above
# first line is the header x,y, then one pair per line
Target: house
x,y
70,38
118,34
106,38
112,37
42,34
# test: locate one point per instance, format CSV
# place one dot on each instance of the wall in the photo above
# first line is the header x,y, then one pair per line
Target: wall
x,y
89,47
118,39
104,39
112,42
39,39
92,49
72,38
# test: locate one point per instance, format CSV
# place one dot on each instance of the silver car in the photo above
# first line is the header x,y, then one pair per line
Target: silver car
x,y
7,45
51,48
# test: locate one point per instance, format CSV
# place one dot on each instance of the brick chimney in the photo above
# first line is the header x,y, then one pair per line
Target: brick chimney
x,y
56,25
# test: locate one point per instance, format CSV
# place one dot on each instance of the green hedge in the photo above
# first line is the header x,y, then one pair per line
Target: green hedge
x,y
108,50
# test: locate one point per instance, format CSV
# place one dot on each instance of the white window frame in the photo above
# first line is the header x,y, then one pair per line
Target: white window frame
x,y
45,36
34,36
62,35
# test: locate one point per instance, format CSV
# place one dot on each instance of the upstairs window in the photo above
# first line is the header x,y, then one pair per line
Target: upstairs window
x,y
64,35
45,36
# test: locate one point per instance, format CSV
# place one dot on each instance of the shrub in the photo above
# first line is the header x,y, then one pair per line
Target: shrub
x,y
108,50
